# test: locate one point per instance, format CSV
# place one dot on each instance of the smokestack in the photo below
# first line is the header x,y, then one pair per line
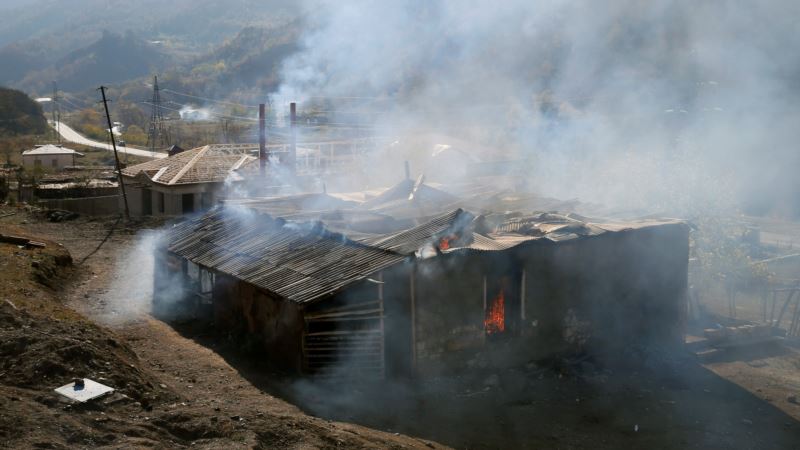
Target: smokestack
x,y
293,146
262,140
408,171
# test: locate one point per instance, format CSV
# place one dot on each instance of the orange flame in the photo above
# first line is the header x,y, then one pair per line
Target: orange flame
x,y
444,243
495,321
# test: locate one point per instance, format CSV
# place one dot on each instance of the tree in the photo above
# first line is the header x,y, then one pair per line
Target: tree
x,y
135,135
19,114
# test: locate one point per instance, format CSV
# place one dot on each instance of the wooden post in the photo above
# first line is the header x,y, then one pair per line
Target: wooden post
x,y
484,293
413,321
383,329
522,296
116,157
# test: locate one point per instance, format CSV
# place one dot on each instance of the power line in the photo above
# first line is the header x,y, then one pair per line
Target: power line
x,y
224,102
200,97
223,116
350,98
78,99
273,130
70,107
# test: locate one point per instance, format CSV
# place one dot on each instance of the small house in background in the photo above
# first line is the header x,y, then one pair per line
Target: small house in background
x,y
53,157
185,182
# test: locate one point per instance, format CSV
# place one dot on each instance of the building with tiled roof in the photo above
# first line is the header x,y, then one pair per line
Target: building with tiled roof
x,y
53,157
185,182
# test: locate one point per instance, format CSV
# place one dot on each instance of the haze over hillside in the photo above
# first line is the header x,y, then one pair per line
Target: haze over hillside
x,y
42,34
656,95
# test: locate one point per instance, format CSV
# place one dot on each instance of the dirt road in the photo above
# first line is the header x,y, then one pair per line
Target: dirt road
x,y
70,135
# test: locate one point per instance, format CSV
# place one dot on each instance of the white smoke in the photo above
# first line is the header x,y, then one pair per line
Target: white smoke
x,y
130,294
192,114
656,105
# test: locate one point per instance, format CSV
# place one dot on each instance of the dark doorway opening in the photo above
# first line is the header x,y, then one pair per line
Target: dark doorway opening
x,y
187,203
147,202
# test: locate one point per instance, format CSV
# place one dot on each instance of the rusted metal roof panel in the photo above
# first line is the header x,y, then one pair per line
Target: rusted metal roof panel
x,y
307,261
411,240
300,263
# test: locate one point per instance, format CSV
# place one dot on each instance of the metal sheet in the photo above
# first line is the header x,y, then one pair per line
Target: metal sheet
x,y
90,390
306,261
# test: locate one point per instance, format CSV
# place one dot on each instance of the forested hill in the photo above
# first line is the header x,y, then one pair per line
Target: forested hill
x,y
19,114
111,59
40,36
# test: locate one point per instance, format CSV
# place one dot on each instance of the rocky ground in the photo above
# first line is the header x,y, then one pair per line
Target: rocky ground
x,y
187,385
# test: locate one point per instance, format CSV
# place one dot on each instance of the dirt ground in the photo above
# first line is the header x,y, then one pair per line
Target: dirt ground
x,y
188,384
171,392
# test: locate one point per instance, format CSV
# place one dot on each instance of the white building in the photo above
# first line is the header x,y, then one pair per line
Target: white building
x,y
53,157
186,182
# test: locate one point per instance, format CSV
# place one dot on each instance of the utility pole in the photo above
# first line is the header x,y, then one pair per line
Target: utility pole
x,y
157,133
56,113
116,156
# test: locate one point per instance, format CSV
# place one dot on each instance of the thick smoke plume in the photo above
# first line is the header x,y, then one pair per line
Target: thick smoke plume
x,y
131,293
664,106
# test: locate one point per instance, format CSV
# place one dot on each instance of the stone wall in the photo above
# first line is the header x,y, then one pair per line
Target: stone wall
x,y
90,206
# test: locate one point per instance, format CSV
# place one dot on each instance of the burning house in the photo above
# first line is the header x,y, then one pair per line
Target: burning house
x,y
329,285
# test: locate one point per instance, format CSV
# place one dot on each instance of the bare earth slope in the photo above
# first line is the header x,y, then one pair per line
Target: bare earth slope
x,y
172,392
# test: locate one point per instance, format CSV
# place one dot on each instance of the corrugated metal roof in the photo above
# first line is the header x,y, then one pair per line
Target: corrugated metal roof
x,y
301,262
411,240
307,261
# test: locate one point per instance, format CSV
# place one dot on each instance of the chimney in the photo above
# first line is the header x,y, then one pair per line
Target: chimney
x,y
293,143
262,140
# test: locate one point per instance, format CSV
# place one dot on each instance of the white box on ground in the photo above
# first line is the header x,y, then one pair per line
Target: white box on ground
x,y
89,390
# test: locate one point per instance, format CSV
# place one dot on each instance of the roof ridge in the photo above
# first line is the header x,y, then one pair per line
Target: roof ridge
x,y
188,165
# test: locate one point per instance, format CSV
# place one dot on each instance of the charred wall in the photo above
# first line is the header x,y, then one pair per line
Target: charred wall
x,y
596,293
262,321
609,290
448,310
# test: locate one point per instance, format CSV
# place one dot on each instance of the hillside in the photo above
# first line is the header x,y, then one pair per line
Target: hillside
x,y
240,69
19,114
111,59
249,61
42,31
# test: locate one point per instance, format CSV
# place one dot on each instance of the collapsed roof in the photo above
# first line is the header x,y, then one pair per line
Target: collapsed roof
x,y
307,247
